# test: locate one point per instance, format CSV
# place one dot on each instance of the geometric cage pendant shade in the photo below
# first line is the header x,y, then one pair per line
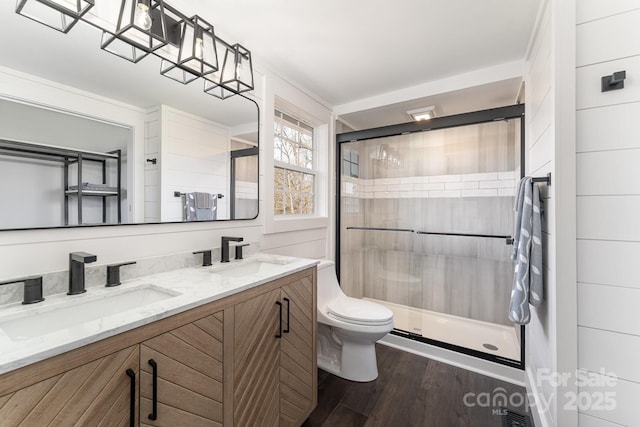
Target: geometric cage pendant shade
x,y
60,15
198,47
196,53
215,89
237,70
141,25
235,75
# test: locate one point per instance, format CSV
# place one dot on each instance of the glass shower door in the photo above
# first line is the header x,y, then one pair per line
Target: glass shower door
x,y
425,220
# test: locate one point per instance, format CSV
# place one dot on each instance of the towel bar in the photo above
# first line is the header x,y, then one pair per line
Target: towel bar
x,y
179,194
546,179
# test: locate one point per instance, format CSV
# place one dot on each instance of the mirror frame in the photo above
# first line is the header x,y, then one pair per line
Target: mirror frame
x,y
82,227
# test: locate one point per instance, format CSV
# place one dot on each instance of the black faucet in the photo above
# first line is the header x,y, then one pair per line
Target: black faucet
x,y
206,257
225,246
113,273
32,288
239,250
77,260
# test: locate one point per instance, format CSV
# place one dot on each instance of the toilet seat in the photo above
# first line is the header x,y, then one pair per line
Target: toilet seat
x,y
359,312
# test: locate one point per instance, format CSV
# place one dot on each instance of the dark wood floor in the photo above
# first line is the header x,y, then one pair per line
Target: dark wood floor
x,y
411,391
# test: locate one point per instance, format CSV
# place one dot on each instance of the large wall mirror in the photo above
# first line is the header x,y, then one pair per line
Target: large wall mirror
x,y
188,156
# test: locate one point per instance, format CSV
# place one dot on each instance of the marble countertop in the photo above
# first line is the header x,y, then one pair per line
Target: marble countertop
x,y
182,289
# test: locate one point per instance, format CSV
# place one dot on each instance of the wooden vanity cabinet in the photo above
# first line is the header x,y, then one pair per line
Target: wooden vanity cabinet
x,y
274,356
94,394
187,365
298,368
248,359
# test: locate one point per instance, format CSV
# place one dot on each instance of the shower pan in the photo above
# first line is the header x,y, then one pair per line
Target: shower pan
x,y
425,217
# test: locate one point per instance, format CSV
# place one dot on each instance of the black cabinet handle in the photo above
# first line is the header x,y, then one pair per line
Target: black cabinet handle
x,y
286,331
279,334
154,403
132,403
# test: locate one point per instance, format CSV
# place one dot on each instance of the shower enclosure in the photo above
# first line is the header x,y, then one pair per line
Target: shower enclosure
x,y
425,224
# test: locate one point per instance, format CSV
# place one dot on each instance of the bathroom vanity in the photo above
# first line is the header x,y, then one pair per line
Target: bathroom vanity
x,y
221,345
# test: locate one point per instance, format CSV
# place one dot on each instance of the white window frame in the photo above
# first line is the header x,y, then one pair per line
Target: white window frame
x,y
308,171
319,118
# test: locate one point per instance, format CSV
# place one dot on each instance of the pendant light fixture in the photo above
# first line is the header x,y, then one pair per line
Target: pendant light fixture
x,y
142,24
198,48
174,72
237,70
217,90
121,48
60,15
196,55
213,81
188,47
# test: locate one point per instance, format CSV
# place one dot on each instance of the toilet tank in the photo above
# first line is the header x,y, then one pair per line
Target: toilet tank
x,y
328,287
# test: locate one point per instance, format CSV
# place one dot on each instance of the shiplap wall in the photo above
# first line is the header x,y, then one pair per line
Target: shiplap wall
x,y
540,140
152,179
195,157
608,201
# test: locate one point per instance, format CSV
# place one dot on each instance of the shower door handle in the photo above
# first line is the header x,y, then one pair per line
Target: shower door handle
x,y
279,334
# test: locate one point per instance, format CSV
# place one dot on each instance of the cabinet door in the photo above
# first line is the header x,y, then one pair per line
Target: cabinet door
x,y
188,364
256,350
95,394
298,353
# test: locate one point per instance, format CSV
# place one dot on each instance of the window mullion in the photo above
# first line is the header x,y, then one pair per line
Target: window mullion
x,y
289,166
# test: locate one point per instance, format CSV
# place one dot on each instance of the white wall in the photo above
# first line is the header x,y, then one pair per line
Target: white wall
x,y
608,199
40,251
152,179
551,335
194,157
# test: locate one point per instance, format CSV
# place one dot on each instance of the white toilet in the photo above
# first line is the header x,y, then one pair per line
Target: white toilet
x,y
348,329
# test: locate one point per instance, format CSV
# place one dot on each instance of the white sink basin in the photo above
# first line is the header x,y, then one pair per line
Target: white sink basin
x,y
248,268
78,311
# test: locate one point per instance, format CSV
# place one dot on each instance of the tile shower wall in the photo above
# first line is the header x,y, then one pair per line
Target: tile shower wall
x,y
459,180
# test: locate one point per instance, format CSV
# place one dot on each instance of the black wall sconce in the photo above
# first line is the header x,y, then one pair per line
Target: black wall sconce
x,y
614,81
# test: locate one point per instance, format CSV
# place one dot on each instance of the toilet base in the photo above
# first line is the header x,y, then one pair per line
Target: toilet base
x,y
346,354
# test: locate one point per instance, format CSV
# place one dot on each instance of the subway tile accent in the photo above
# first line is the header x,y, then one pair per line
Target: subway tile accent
x,y
491,184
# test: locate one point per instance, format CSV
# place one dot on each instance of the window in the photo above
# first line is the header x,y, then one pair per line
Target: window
x,y
294,161
350,163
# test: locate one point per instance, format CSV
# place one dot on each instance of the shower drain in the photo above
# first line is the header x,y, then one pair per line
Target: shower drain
x,y
490,347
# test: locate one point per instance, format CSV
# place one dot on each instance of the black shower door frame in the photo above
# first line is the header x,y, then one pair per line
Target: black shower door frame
x,y
473,118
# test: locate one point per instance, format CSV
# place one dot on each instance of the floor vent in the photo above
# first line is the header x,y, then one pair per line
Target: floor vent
x,y
515,419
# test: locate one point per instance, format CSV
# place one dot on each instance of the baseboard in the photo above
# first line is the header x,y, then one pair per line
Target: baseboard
x,y
540,419
470,363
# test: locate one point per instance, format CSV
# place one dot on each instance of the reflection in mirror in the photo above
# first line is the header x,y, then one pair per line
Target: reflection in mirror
x,y
185,156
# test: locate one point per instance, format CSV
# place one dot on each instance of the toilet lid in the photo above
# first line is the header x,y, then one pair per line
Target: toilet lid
x,y
362,312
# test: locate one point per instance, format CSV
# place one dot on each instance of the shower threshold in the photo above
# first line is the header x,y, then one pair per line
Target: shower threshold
x,y
483,337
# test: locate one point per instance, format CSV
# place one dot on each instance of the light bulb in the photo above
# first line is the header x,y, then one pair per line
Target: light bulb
x,y
239,69
142,18
199,48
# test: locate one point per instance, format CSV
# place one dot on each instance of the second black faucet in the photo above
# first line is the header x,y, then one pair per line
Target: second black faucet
x,y
77,260
225,247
